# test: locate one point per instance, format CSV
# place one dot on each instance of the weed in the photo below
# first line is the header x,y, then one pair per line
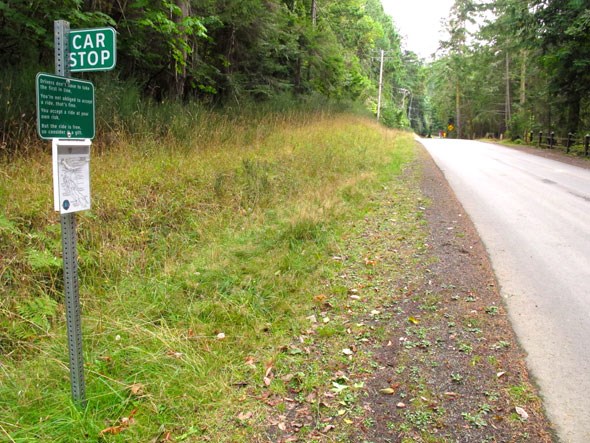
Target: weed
x,y
475,420
521,394
457,378
466,348
492,310
492,395
502,344
420,419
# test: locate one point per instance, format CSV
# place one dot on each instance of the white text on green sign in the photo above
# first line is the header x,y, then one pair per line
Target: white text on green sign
x,y
93,49
65,107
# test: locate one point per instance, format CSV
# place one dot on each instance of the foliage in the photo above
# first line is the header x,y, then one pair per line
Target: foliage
x,y
525,68
215,52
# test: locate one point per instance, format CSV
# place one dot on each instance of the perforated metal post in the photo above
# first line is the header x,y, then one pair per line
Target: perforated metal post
x,y
69,249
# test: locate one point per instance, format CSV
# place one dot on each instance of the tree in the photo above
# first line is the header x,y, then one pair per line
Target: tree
x,y
564,38
456,47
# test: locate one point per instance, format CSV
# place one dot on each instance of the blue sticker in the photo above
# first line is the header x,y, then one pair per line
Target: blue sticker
x,y
66,204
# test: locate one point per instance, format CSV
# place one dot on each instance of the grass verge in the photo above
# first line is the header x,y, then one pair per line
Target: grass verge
x,y
198,266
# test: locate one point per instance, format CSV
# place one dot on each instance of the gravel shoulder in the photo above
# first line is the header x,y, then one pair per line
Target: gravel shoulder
x,y
430,355
468,382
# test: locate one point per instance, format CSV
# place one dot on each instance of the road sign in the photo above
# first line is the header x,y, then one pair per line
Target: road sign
x,y
93,49
65,107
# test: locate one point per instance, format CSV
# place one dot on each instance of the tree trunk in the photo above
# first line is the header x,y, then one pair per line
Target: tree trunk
x,y
314,12
180,72
573,115
523,66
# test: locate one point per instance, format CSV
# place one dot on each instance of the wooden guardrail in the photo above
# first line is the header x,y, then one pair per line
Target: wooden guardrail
x,y
571,143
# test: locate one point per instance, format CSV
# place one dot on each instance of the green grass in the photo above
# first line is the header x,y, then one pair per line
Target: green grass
x,y
186,240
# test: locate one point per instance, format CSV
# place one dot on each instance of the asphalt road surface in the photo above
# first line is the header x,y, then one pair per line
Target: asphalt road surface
x,y
533,215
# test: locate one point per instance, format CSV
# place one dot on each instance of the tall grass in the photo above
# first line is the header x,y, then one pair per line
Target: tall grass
x,y
203,250
125,115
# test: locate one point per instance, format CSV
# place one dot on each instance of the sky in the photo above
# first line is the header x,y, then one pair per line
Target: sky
x,y
419,23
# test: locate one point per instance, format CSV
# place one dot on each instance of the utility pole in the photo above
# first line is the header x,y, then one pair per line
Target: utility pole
x,y
380,85
508,115
410,110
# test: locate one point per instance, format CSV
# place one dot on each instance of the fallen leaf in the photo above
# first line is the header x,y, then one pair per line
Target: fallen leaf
x,y
500,374
401,405
137,389
268,372
220,336
250,361
243,416
267,381
413,320
125,422
113,430
522,413
174,354
370,262
320,298
287,378
387,391
282,426
328,428
347,351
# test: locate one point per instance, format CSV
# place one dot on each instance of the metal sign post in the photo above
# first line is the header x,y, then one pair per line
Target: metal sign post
x,y
69,248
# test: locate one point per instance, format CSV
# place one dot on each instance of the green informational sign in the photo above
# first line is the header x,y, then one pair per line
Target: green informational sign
x,y
92,49
65,107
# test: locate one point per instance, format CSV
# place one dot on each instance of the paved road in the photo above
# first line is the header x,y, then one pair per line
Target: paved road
x,y
533,215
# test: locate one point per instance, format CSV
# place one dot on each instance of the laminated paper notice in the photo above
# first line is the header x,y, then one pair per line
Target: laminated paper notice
x,y
72,171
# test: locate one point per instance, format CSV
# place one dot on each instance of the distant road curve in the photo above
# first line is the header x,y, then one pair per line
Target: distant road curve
x,y
533,215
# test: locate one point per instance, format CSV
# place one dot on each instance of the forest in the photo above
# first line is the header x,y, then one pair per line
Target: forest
x,y
514,66
506,67
223,55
